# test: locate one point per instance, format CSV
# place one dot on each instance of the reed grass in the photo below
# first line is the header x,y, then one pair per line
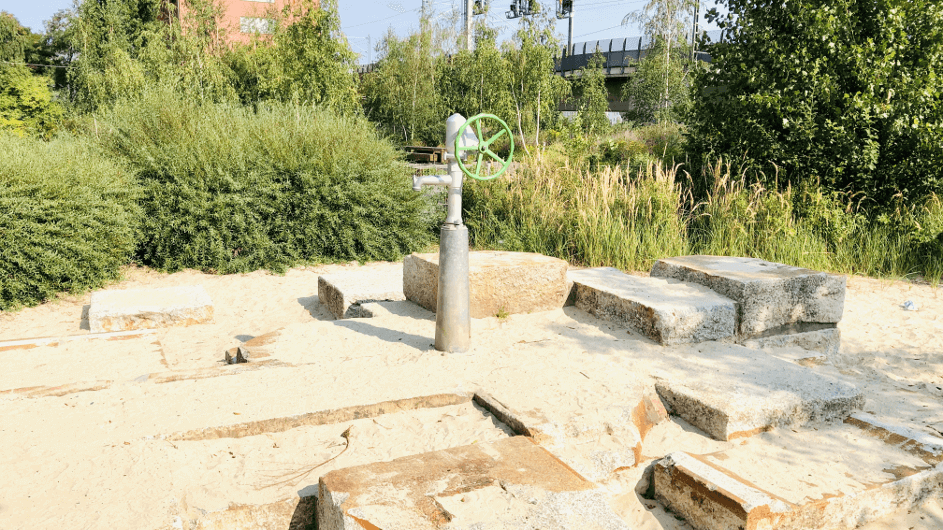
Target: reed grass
x,y
624,219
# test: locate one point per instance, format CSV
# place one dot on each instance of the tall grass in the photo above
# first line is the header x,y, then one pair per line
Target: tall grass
x,y
628,220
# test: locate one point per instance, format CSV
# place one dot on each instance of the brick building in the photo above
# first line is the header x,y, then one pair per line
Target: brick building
x,y
242,18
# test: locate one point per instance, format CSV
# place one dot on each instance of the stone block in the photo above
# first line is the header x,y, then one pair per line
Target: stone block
x,y
733,392
343,292
825,340
768,295
664,310
922,444
711,497
125,310
499,282
509,484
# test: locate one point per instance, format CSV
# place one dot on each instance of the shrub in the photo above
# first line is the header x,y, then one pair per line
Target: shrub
x,y
232,189
67,218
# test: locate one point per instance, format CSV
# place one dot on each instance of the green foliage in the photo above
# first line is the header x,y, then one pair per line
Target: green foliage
x,y
402,94
26,104
14,39
478,81
110,38
306,59
660,90
229,189
616,218
67,218
591,96
846,92
535,88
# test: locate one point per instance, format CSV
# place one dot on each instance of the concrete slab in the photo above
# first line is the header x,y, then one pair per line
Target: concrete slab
x,y
772,485
131,309
769,295
664,310
733,392
344,292
499,282
920,443
511,483
826,339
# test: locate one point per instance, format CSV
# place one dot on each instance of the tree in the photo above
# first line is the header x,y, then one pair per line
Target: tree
x,y
591,96
402,93
307,59
535,88
26,103
478,81
665,23
110,37
847,92
646,90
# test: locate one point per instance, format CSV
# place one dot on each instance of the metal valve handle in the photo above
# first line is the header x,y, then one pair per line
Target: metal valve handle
x,y
483,148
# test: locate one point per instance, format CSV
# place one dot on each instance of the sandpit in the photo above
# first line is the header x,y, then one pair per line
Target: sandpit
x,y
153,430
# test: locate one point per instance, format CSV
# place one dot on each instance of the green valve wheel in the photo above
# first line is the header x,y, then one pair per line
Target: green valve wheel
x,y
482,152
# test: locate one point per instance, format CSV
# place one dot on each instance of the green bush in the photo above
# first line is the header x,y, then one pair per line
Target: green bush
x,y
67,218
229,188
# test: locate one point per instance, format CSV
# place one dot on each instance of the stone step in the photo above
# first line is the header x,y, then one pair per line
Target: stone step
x,y
344,292
821,338
130,309
835,478
500,283
666,311
509,484
768,295
731,392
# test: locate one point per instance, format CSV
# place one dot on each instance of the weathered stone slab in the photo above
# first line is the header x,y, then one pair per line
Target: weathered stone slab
x,y
499,282
916,442
711,497
733,392
125,310
666,311
343,292
826,340
511,484
768,295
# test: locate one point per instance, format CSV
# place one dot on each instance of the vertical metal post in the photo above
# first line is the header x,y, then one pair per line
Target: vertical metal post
x,y
697,11
569,39
469,12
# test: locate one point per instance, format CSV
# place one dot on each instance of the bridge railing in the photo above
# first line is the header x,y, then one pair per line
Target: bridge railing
x,y
620,55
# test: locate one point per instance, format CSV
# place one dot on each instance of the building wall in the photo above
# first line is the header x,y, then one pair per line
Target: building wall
x,y
242,18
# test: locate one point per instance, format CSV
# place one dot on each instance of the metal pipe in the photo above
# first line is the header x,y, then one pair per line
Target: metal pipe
x,y
569,39
431,180
453,316
456,179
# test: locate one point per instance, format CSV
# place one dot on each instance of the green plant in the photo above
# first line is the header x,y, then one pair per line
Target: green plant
x,y
26,104
591,96
68,218
843,92
232,189
401,95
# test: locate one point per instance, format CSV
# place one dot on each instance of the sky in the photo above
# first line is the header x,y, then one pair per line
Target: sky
x,y
365,22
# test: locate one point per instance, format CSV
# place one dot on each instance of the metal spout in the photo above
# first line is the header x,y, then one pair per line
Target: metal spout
x,y
431,180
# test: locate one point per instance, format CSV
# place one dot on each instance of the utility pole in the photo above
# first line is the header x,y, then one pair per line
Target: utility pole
x,y
469,12
565,10
697,11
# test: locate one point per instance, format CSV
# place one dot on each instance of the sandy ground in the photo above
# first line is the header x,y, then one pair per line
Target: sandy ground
x,y
85,424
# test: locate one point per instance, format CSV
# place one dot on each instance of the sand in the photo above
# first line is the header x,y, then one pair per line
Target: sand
x,y
85,424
